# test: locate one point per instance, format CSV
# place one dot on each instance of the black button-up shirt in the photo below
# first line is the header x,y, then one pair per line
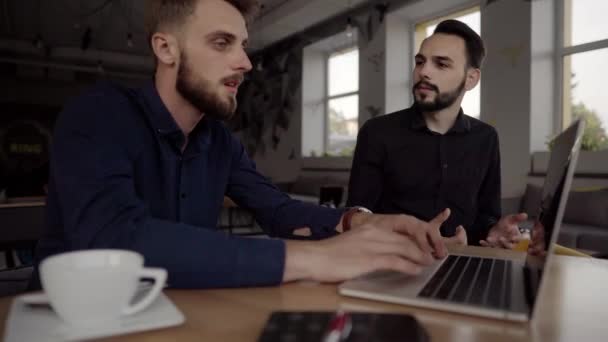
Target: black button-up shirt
x,y
120,180
400,166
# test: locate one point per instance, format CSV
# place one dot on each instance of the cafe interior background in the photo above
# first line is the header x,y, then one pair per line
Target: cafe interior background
x,y
321,68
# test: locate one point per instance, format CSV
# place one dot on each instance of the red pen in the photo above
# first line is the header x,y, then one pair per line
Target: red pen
x,y
339,328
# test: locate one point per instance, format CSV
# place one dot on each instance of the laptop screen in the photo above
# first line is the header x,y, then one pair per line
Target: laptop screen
x,y
562,162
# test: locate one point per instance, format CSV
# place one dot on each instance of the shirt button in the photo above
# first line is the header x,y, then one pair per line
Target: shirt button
x,y
183,195
445,166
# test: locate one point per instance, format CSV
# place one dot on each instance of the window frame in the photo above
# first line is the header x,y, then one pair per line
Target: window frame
x,y
562,51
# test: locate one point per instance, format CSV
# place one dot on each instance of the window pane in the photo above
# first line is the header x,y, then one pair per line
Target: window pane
x,y
585,21
584,95
343,125
343,72
472,101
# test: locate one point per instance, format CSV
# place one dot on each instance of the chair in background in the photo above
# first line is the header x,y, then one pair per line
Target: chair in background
x,y
15,280
331,196
22,226
237,220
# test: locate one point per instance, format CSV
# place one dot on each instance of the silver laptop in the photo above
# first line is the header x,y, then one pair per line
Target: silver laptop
x,y
489,287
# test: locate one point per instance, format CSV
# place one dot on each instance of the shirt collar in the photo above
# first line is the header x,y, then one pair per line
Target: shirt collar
x,y
461,125
160,117
163,123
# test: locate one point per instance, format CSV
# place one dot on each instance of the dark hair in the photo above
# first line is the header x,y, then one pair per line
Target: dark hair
x,y
162,13
476,52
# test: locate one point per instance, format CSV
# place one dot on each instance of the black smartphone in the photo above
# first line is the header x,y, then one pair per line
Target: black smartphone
x,y
320,326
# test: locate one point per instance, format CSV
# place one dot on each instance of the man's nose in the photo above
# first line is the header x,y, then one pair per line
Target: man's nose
x,y
242,63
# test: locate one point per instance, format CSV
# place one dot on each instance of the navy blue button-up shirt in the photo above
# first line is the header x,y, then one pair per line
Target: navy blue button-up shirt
x,y
120,180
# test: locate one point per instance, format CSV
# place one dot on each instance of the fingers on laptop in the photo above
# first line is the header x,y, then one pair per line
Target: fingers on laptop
x,y
501,242
434,234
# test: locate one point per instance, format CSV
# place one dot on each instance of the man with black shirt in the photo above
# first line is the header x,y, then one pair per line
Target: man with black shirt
x,y
432,156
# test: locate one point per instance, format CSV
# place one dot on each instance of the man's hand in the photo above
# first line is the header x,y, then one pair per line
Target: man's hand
x,y
537,245
460,238
505,233
426,234
385,243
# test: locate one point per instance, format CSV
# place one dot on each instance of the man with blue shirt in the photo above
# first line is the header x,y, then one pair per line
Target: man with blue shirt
x,y
147,170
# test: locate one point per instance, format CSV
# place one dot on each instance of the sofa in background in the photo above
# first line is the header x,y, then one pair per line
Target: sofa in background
x,y
318,188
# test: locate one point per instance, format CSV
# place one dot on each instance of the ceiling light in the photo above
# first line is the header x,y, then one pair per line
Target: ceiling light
x,y
85,41
38,42
130,42
100,68
350,29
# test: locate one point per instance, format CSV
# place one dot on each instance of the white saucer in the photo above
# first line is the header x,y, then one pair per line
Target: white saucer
x,y
32,319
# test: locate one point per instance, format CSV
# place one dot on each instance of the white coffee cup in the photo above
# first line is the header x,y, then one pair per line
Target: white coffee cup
x,y
93,287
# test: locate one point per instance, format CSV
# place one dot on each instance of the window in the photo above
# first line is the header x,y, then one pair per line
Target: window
x,y
330,96
342,102
582,54
471,17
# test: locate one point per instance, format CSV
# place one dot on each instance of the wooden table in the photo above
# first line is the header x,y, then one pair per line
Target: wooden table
x,y
572,309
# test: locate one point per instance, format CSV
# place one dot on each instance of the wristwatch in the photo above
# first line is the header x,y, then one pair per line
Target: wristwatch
x,y
348,215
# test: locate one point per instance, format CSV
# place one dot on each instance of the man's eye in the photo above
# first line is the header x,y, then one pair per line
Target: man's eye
x,y
220,44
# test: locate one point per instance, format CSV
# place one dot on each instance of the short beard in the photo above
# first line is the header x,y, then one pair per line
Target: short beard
x,y
198,93
442,100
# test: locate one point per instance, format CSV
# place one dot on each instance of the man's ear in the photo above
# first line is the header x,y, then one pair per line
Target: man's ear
x,y
473,75
165,48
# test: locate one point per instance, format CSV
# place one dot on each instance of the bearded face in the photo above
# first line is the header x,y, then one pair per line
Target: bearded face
x,y
428,98
215,99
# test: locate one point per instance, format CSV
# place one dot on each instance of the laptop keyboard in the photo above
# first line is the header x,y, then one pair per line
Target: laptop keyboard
x,y
472,280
